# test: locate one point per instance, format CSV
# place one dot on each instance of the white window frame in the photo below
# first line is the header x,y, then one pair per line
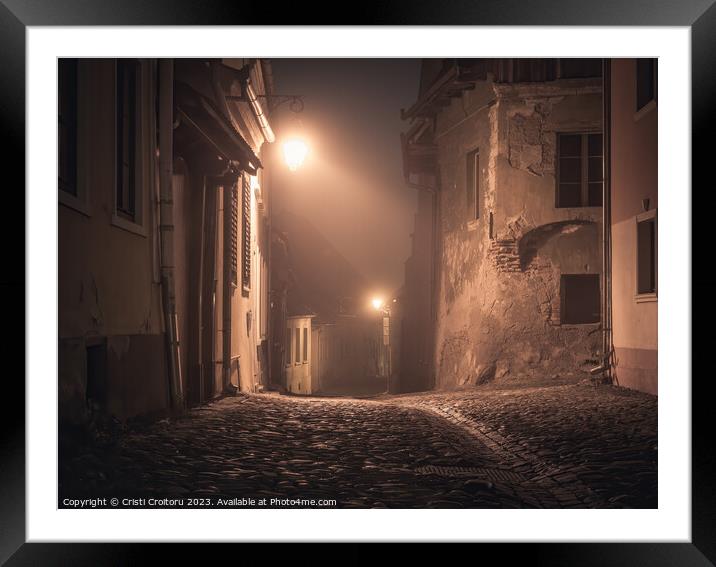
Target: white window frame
x,y
143,165
649,296
584,158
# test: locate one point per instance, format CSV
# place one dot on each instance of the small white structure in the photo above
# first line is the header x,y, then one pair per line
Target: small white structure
x,y
297,354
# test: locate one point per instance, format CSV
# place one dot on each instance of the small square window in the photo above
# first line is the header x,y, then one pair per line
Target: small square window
x,y
580,299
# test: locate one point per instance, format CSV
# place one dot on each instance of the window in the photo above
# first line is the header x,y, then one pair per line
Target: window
x,y
305,344
298,345
234,245
579,170
645,82
246,233
646,255
580,301
288,346
574,68
67,125
127,130
473,184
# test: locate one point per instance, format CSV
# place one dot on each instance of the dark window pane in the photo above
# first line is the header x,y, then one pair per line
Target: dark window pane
x,y
67,125
579,68
570,170
580,301
645,81
595,194
570,195
595,144
646,256
570,145
595,169
298,345
126,128
305,344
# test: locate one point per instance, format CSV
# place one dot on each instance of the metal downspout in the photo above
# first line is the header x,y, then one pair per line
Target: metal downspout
x,y
166,229
227,291
606,224
266,129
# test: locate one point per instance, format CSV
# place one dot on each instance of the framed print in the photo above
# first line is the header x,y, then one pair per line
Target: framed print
x,y
402,289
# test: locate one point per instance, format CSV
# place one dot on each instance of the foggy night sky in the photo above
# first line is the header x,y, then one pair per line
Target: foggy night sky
x,y
351,187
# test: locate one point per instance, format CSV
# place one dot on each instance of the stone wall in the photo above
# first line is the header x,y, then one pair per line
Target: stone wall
x,y
499,299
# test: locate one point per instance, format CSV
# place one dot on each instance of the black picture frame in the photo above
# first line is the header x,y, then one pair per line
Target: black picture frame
x,y
16,15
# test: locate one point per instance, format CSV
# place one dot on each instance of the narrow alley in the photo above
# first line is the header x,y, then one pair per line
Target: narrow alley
x,y
357,283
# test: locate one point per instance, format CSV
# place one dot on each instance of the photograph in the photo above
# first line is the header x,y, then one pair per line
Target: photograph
x,y
332,283
400,277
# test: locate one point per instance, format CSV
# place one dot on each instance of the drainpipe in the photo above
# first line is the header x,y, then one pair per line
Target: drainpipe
x,y
266,129
605,368
227,292
166,229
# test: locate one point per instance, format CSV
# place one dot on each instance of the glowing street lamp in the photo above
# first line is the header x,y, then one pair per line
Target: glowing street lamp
x,y
377,303
294,153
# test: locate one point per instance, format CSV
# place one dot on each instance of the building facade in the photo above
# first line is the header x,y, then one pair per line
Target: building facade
x,y
508,154
634,237
348,356
163,253
298,355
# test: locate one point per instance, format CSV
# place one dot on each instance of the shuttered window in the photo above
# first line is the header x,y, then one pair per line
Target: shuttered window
x,y
246,233
235,235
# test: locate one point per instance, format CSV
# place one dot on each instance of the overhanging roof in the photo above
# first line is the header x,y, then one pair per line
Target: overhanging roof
x,y
451,83
207,122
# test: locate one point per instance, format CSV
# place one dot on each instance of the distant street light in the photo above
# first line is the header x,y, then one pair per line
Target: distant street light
x,y
380,305
294,153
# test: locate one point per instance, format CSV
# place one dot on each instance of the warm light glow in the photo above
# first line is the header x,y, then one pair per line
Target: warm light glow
x,y
294,153
377,303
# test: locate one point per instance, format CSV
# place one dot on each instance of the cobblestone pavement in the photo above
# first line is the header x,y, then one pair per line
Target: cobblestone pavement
x,y
592,446
549,447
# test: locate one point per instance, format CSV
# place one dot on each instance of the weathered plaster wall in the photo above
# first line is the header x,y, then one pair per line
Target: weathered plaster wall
x,y
108,285
634,177
500,297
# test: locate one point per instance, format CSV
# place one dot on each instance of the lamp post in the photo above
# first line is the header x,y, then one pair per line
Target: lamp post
x,y
295,151
384,309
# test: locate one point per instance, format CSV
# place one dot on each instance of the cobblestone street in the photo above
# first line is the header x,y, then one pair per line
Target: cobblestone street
x,y
561,446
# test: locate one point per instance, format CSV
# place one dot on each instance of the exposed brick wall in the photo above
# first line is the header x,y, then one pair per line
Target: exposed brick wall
x,y
504,255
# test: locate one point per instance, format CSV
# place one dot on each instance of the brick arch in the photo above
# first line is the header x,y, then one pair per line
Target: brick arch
x,y
530,242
